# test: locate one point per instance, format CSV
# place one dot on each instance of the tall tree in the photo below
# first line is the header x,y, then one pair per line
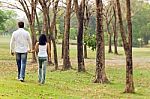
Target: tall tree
x,y
80,16
66,58
100,48
127,44
49,26
30,13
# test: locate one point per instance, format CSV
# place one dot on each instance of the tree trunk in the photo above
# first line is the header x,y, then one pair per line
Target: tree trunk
x,y
45,31
127,46
110,48
129,65
62,46
100,49
55,53
51,28
115,31
85,51
38,24
81,66
109,36
33,42
55,29
80,17
66,58
86,24
62,50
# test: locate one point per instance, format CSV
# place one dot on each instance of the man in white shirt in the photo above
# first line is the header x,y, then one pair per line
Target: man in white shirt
x,y
20,44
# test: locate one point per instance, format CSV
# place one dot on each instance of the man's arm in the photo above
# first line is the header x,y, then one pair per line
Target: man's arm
x,y
12,44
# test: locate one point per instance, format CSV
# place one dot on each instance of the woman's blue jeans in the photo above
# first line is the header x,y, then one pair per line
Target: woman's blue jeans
x,y
42,69
21,59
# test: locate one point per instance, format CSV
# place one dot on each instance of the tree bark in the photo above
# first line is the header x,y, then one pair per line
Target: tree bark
x,y
109,36
62,50
66,58
110,43
115,31
51,30
80,17
127,46
85,51
38,24
100,49
33,42
129,67
86,24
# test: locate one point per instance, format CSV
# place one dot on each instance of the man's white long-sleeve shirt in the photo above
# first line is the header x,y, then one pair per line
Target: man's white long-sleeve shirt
x,y
20,41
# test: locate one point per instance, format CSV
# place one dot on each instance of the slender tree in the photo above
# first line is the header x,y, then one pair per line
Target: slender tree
x,y
80,16
108,18
66,58
100,48
86,25
127,44
115,30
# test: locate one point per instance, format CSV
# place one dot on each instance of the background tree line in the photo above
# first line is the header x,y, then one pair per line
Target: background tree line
x,y
140,20
91,26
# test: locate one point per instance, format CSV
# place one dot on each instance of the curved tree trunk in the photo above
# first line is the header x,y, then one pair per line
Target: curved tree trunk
x,y
127,44
100,48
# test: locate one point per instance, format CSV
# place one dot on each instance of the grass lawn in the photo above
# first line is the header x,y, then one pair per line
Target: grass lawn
x,y
71,84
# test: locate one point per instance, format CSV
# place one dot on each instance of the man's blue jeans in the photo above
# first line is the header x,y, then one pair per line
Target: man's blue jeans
x,y
42,69
21,59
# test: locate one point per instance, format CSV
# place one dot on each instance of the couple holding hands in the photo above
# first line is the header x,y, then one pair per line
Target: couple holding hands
x,y
20,43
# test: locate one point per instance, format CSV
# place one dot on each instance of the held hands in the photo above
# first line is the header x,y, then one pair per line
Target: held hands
x,y
31,51
12,53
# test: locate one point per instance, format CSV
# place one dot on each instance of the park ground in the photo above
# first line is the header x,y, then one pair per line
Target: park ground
x,y
71,84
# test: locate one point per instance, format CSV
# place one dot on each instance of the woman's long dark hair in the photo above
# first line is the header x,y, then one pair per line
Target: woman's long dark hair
x,y
42,39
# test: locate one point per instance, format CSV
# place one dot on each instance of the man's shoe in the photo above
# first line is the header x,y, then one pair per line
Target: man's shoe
x,y
21,79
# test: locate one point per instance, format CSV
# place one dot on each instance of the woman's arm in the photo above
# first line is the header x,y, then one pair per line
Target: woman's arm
x,y
48,49
36,49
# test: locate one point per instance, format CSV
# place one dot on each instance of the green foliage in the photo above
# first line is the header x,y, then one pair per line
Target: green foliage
x,y
90,41
7,21
141,23
73,33
3,18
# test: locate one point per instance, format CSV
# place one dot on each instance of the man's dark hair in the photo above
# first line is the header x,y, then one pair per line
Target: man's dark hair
x,y
21,24
42,39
